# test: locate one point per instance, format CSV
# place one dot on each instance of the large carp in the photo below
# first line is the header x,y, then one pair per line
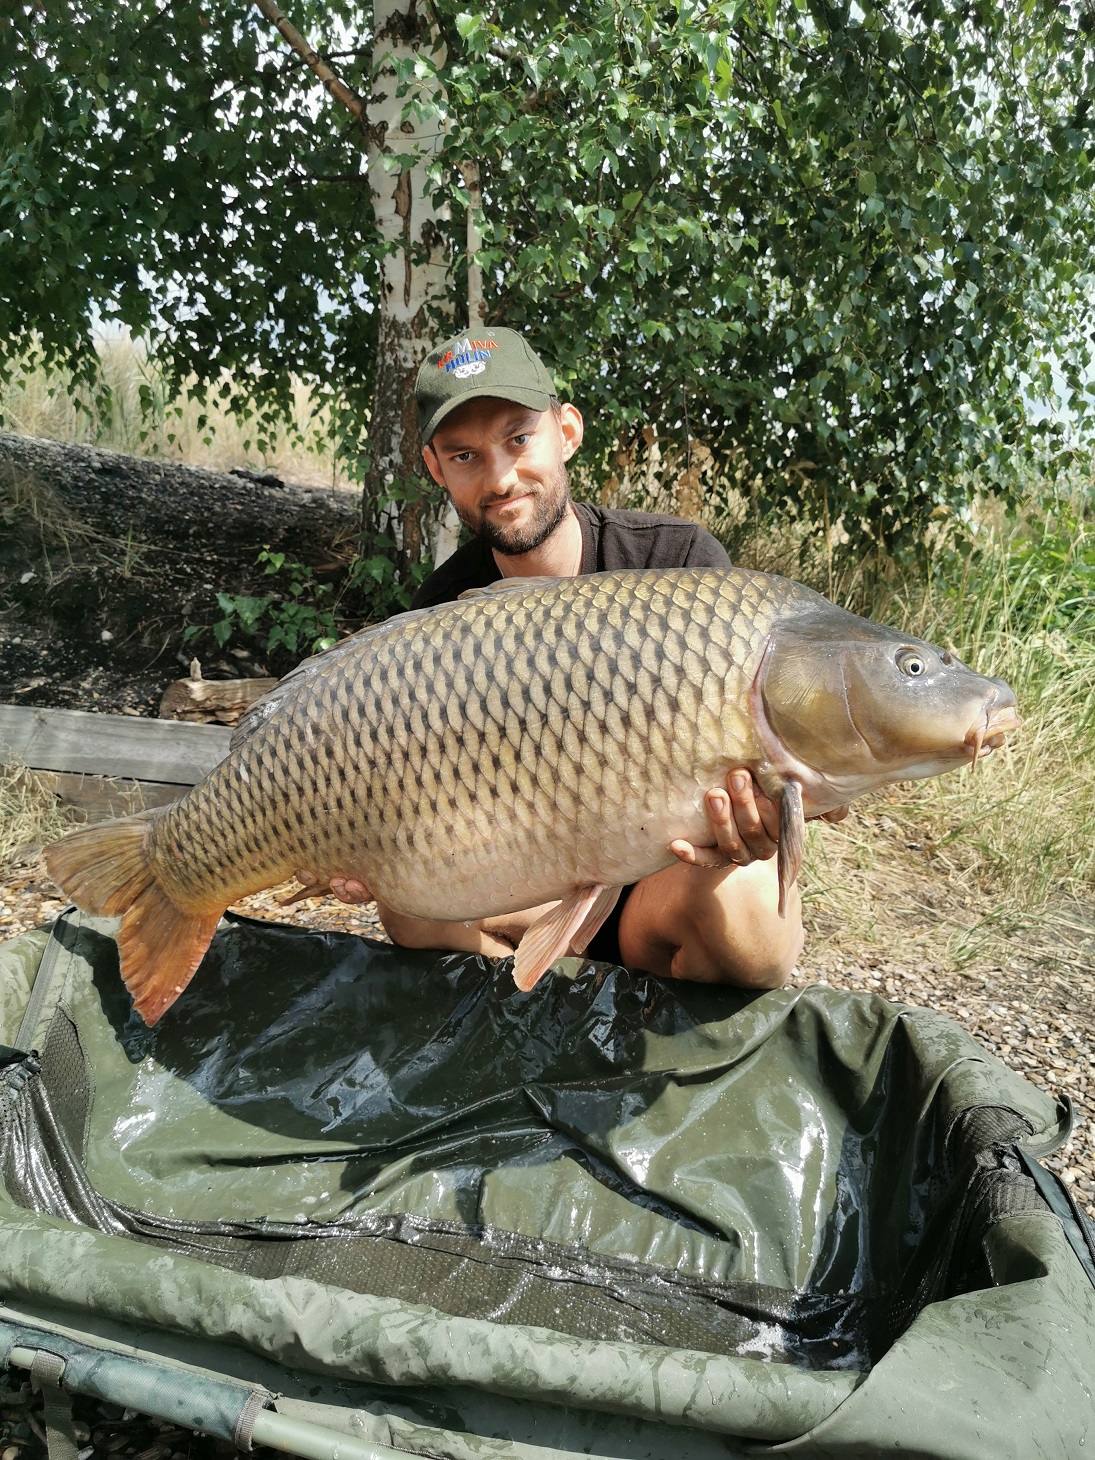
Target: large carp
x,y
544,738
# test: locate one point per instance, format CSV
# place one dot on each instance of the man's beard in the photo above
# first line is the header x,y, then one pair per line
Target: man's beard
x,y
549,509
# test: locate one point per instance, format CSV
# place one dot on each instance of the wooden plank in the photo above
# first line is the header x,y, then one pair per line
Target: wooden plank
x,y
103,797
168,751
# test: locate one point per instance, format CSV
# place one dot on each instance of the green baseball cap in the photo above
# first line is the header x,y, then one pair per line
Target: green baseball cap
x,y
479,362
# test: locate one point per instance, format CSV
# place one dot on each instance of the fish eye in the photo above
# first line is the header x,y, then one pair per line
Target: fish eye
x,y
912,662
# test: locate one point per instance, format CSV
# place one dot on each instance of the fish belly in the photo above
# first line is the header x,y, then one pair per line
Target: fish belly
x,y
520,865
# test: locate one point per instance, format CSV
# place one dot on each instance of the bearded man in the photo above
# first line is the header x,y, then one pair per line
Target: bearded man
x,y
497,439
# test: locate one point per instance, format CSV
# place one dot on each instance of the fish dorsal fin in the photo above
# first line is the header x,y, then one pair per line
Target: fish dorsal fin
x,y
509,585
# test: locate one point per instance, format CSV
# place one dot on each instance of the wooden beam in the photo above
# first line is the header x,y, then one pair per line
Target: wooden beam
x,y
102,797
169,752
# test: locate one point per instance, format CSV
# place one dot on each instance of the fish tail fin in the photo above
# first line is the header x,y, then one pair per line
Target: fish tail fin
x,y
107,870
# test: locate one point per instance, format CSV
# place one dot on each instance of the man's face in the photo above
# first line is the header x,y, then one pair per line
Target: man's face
x,y
504,467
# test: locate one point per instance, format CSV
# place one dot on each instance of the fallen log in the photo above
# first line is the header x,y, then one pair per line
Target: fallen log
x,y
211,701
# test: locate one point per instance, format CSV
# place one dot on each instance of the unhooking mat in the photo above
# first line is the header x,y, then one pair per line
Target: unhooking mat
x,y
386,1194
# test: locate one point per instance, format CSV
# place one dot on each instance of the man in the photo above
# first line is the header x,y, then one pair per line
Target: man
x,y
497,439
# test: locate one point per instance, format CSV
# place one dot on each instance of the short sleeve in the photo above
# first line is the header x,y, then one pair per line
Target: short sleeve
x,y
706,551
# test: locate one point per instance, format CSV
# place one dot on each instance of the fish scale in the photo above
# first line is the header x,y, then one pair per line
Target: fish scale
x,y
539,740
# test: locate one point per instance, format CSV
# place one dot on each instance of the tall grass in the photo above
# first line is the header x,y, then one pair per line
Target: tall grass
x,y
968,859
36,402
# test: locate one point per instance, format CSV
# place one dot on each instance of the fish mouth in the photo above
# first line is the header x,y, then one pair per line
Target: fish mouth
x,y
989,730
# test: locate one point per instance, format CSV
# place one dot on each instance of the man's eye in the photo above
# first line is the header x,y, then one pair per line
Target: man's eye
x,y
462,456
521,438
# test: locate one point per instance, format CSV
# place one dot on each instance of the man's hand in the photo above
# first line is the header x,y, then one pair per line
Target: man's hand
x,y
346,889
745,822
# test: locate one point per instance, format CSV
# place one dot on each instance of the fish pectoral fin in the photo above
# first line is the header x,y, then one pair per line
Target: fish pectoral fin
x,y
595,918
792,839
550,936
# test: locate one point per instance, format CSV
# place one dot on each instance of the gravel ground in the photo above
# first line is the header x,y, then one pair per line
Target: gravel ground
x,y
106,559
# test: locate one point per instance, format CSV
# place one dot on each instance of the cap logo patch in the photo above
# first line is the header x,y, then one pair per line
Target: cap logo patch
x,y
469,357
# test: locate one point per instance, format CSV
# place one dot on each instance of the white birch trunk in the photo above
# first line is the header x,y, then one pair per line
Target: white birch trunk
x,y
413,279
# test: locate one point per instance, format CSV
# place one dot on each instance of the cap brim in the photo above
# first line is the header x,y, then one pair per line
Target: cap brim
x,y
535,400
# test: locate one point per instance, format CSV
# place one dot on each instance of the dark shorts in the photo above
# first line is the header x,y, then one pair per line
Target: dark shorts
x,y
605,944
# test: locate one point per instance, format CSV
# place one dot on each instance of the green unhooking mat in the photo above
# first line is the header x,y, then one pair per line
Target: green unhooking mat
x,y
386,1196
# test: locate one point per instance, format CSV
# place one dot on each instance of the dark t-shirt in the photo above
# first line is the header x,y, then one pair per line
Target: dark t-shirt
x,y
610,539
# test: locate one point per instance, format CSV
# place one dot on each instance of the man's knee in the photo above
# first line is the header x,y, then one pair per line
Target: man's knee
x,y
404,932
763,959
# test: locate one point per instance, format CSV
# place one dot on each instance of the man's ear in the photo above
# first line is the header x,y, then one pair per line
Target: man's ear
x,y
433,466
572,428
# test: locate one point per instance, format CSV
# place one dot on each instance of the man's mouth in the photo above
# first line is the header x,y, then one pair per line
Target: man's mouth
x,y
499,504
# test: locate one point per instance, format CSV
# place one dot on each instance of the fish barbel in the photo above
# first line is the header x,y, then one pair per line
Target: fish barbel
x,y
541,739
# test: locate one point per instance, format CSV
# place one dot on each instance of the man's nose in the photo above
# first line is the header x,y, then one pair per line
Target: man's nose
x,y
501,474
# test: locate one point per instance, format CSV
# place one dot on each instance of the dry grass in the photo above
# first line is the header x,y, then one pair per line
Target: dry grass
x,y
37,514
48,405
29,817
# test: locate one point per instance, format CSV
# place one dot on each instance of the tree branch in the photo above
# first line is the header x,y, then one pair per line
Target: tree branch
x,y
338,89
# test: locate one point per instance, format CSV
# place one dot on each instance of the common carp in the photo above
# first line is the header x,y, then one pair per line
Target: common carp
x,y
540,739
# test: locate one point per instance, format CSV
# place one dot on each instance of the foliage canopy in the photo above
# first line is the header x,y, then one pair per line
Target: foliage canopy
x,y
847,245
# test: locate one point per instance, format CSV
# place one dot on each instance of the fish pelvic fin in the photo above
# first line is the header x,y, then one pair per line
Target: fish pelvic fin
x,y
595,919
107,870
792,838
549,937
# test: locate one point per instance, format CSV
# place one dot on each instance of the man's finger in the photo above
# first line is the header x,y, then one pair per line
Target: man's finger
x,y
720,813
700,856
755,817
349,889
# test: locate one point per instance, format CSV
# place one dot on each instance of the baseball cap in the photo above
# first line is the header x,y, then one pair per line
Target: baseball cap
x,y
479,362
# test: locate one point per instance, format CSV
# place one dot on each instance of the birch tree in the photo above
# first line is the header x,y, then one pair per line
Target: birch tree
x,y
402,132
